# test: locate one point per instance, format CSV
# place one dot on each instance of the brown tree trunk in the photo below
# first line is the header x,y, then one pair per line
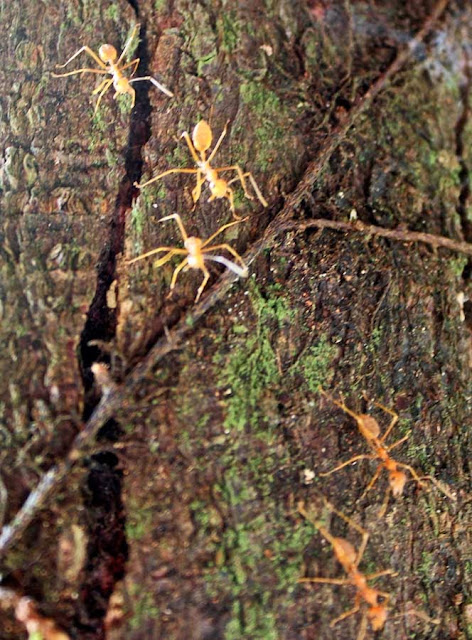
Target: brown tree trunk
x,y
181,516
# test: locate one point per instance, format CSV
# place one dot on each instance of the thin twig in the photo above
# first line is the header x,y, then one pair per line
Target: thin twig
x,y
116,399
401,235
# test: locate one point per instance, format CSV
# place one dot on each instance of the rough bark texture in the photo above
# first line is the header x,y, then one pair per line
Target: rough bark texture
x,y
186,510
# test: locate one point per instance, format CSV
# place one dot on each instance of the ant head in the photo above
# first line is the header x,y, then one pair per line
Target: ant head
x,y
219,188
193,244
202,136
107,53
377,616
397,481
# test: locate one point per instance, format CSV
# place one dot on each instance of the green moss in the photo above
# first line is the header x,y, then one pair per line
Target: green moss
x,y
425,567
229,30
270,117
206,60
139,520
252,368
251,623
137,218
112,12
315,363
253,544
143,608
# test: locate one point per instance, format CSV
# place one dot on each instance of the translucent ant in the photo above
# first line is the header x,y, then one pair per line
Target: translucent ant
x,y
370,430
202,137
109,62
376,601
196,252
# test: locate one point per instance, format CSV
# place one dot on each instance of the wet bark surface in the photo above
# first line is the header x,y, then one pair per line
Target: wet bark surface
x,y
181,520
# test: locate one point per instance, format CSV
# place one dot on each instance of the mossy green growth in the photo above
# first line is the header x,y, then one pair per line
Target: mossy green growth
x,y
252,368
270,119
259,553
251,623
112,12
137,218
229,29
143,608
315,363
139,520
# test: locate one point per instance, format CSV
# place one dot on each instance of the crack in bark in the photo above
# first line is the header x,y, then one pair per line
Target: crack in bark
x,y
107,550
459,133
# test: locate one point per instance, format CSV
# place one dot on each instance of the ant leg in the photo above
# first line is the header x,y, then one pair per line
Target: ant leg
x,y
189,142
106,86
130,64
397,443
198,188
232,251
161,175
378,574
128,43
413,473
155,83
375,477
230,196
206,274
362,628
178,219
341,405
73,73
90,52
158,250
348,613
220,230
345,464
384,506
392,423
168,256
418,614
217,145
175,275
241,177
100,86
338,581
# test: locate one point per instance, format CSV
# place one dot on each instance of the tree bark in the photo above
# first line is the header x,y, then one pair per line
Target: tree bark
x,y
180,518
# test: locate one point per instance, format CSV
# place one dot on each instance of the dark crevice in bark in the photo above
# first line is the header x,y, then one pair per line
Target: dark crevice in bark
x,y
107,550
459,132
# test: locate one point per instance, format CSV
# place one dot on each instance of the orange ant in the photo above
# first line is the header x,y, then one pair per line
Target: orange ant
x,y
376,601
202,137
370,430
109,62
196,252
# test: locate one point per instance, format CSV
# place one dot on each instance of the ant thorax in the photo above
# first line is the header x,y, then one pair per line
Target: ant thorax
x,y
194,246
210,174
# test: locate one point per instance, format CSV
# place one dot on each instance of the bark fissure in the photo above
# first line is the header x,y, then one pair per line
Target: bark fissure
x,y
107,550
460,127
